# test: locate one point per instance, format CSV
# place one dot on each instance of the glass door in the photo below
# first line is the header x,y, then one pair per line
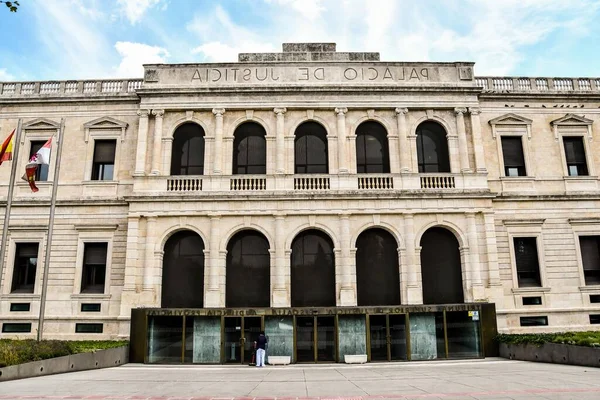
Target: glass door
x,y
305,339
252,328
315,339
387,337
326,339
379,337
397,336
233,340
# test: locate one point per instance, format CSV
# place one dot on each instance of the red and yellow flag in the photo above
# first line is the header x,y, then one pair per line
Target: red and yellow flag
x,y
7,148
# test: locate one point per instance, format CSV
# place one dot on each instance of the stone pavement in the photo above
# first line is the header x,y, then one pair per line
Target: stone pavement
x,y
489,379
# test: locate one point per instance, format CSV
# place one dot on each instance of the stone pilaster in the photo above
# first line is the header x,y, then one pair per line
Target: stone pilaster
x,y
404,148
156,148
413,286
150,261
213,295
494,289
341,134
133,257
476,284
280,140
281,296
477,140
463,149
218,144
142,141
347,292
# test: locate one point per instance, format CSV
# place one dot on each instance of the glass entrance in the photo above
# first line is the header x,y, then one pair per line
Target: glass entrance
x,y
387,337
315,339
240,333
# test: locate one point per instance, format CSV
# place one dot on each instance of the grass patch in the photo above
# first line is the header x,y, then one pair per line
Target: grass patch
x,y
587,339
14,352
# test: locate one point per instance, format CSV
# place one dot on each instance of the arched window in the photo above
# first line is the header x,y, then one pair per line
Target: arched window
x,y
313,270
372,155
183,271
187,157
440,268
248,271
249,149
310,149
432,148
377,269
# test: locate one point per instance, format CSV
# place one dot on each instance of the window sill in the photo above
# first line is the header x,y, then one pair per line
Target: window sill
x,y
580,178
590,289
530,290
21,296
87,296
100,182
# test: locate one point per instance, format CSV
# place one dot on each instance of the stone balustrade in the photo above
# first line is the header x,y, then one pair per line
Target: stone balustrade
x,y
525,84
66,88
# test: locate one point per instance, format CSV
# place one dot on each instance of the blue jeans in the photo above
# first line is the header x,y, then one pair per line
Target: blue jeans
x,y
260,357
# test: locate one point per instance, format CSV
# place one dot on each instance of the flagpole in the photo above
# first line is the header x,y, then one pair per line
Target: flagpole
x,y
11,187
50,230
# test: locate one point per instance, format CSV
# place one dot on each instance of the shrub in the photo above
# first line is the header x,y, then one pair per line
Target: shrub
x,y
588,339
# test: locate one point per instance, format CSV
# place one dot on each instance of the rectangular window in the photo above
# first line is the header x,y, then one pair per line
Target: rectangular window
x,y
26,257
20,306
528,268
532,301
594,298
575,156
104,160
512,151
534,321
42,172
94,268
590,256
88,328
594,319
90,307
16,327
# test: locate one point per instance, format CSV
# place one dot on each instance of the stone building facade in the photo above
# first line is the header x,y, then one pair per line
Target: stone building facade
x,y
513,181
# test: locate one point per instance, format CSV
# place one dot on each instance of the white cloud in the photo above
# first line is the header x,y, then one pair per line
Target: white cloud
x,y
310,9
134,10
5,76
134,55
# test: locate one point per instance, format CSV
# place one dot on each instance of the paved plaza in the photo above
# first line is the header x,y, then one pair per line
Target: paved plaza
x,y
489,379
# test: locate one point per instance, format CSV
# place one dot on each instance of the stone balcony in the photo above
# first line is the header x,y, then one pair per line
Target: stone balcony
x,y
72,88
310,183
537,85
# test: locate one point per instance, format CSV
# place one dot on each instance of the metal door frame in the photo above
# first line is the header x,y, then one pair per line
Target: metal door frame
x,y
242,339
388,341
316,339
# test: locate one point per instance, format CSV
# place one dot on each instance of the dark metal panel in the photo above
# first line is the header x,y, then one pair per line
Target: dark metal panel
x,y
137,336
489,328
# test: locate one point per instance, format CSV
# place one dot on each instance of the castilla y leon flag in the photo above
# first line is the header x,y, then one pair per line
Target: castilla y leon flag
x,y
7,148
41,157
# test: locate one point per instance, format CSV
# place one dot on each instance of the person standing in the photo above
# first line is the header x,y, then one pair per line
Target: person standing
x,y
261,345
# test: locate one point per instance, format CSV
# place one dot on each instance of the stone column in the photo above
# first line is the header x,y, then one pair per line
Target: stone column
x,y
477,286
150,259
156,148
462,140
404,148
218,146
213,295
280,140
280,291
495,290
341,134
477,140
347,293
453,153
413,286
142,141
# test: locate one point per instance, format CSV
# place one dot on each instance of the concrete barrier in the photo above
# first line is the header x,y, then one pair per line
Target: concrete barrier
x,y
74,362
556,353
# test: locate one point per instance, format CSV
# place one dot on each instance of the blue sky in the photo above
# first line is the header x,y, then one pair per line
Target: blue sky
x,y
74,39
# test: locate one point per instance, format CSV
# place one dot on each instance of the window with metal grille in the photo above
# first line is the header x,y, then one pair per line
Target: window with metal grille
x,y
313,270
94,268
590,256
377,270
249,149
26,257
432,148
183,271
187,157
528,268
104,160
310,149
41,174
372,155
248,271
512,152
575,156
534,321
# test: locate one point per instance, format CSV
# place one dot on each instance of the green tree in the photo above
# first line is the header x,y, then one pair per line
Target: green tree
x,y
12,5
